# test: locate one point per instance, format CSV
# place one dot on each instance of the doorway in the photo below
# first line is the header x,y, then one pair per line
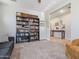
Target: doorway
x,y
60,23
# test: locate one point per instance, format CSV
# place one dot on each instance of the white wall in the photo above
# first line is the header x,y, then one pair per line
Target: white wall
x,y
66,19
43,28
74,19
47,18
9,2
10,19
2,27
7,20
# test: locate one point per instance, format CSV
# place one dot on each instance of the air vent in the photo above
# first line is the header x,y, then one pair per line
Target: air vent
x,y
13,0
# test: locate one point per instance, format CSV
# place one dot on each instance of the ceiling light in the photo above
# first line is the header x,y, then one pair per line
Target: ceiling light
x,y
39,1
61,11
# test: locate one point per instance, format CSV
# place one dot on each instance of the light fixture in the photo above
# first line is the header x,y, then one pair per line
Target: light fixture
x,y
39,1
62,11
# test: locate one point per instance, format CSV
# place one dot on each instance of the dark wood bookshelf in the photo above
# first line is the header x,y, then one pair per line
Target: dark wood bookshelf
x,y
27,28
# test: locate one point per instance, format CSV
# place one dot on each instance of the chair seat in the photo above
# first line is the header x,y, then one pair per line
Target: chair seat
x,y
4,53
5,45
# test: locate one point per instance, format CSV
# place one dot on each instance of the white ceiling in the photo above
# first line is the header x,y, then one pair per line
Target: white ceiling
x,y
34,5
66,10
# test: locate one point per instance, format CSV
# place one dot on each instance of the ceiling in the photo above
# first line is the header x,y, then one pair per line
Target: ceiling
x,y
34,5
62,11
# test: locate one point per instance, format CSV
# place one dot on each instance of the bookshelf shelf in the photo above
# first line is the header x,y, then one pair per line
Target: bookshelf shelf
x,y
27,27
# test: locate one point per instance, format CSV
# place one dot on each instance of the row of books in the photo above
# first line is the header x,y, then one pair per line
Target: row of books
x,y
36,37
22,34
26,19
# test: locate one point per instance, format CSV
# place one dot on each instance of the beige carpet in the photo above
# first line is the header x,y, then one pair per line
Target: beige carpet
x,y
15,53
42,50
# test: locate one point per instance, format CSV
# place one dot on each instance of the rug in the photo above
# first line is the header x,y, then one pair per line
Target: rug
x,y
15,53
42,50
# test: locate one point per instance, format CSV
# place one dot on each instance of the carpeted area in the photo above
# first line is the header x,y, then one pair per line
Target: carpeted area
x,y
15,53
40,50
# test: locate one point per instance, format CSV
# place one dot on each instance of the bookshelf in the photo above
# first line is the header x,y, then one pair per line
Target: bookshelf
x,y
27,27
